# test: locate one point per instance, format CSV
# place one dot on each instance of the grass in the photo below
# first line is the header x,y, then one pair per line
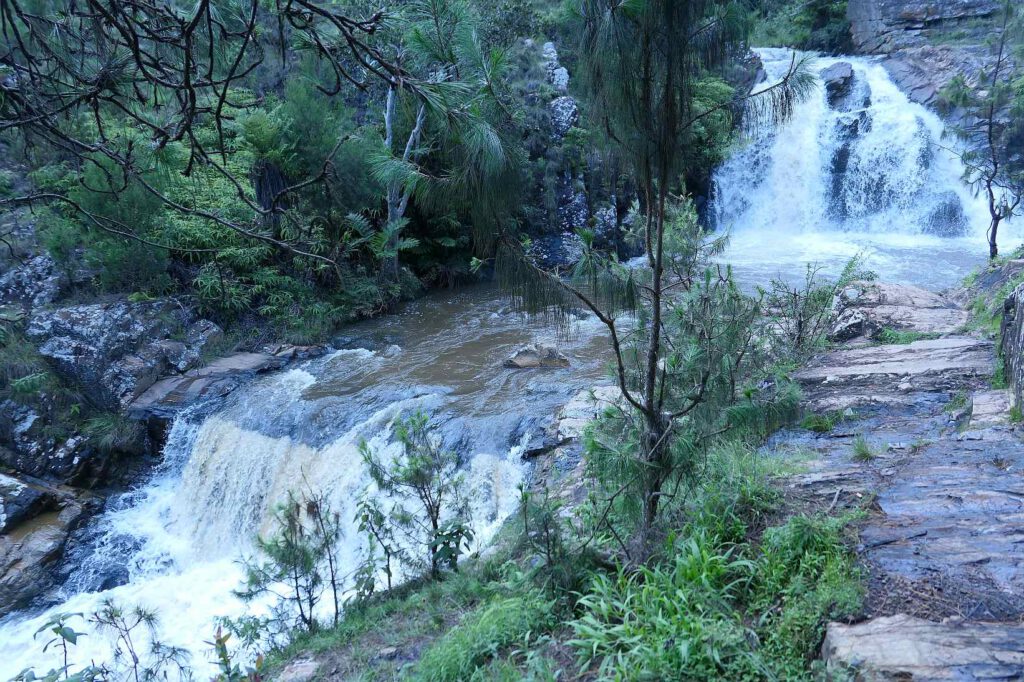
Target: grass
x,y
493,627
719,610
114,433
1016,415
899,337
862,450
822,423
957,402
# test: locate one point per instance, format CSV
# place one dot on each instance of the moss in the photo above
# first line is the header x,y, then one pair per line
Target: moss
x,y
902,337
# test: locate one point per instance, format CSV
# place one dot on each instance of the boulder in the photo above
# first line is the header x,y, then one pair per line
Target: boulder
x,y
904,648
838,80
565,113
115,351
19,501
34,452
537,355
865,309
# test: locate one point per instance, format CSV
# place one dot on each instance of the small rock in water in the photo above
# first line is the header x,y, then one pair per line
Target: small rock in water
x,y
537,355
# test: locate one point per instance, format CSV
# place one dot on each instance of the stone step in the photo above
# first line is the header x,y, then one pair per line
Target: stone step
x,y
887,374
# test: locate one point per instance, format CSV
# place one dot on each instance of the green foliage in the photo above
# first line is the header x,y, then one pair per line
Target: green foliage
x,y
991,131
822,423
797,316
483,634
902,337
430,514
296,565
721,609
114,433
803,24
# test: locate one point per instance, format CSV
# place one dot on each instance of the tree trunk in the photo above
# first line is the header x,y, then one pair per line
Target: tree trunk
x,y
993,230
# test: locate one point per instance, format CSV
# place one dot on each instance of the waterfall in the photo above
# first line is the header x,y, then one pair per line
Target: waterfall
x,y
174,543
868,172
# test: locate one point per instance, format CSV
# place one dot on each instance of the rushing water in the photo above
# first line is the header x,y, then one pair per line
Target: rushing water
x,y
825,186
174,543
869,176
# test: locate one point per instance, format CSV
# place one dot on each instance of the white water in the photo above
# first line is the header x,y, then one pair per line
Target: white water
x,y
782,203
175,542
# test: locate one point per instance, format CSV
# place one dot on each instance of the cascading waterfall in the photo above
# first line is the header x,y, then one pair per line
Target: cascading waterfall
x,y
174,544
868,172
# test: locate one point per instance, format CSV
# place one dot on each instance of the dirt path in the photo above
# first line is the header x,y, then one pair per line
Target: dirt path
x,y
927,447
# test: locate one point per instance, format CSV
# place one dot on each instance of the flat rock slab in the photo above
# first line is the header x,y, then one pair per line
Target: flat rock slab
x,y
171,394
884,374
904,648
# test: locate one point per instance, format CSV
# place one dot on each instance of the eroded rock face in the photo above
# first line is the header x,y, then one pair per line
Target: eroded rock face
x,y
927,42
882,26
904,648
1012,339
537,355
35,283
115,351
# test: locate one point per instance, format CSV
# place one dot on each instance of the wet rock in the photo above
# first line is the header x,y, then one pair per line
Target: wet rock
x,y
170,395
867,308
35,452
838,80
19,501
1012,340
34,283
989,408
115,351
28,554
883,26
904,648
537,355
947,219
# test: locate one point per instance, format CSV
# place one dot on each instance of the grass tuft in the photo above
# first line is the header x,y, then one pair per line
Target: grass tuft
x,y
862,450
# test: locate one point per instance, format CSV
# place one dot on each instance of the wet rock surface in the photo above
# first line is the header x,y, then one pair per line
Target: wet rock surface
x,y
942,485
29,551
535,356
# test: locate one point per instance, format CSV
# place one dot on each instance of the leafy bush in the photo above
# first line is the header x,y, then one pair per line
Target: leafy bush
x,y
483,634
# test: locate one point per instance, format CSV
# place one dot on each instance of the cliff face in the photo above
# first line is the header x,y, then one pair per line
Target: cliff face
x,y
925,42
